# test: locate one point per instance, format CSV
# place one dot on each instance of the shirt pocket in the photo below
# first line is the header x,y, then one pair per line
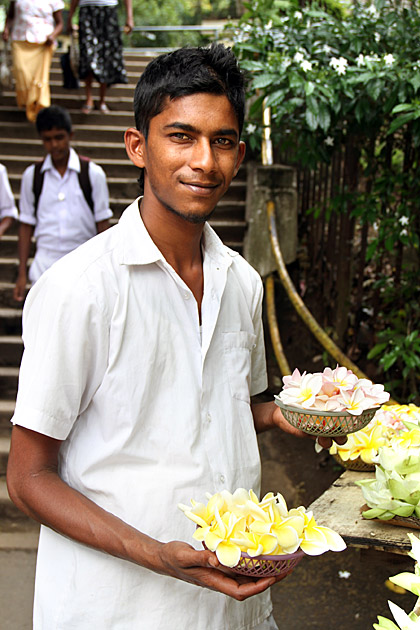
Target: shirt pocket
x,y
237,352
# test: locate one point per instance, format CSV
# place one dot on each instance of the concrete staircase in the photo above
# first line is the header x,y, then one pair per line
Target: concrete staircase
x,y
99,137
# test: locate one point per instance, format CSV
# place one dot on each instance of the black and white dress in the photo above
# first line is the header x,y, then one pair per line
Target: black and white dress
x,y
100,42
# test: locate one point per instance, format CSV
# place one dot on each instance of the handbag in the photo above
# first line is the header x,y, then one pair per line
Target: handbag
x,y
70,82
6,73
70,64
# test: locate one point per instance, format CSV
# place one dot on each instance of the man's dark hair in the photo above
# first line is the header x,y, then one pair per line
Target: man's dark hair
x,y
54,117
185,72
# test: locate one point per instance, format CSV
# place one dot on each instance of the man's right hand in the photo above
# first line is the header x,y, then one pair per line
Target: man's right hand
x,y
19,291
202,568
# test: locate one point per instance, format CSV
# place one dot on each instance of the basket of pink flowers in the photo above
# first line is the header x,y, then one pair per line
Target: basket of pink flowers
x,y
329,403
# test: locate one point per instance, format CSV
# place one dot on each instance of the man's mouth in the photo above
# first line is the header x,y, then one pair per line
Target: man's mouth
x,y
201,188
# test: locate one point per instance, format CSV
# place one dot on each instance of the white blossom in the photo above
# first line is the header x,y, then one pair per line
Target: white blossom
x,y
298,57
373,10
298,15
251,128
306,65
360,60
327,49
404,232
339,65
389,59
404,220
329,141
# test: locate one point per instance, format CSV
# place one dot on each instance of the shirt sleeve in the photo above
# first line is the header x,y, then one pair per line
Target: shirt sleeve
x,y
27,198
7,202
100,193
66,340
57,5
259,381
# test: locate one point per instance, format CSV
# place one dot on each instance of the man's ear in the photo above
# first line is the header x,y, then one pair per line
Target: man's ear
x,y
135,144
240,157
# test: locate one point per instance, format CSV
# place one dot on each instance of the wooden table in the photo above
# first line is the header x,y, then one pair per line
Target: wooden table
x,y
340,509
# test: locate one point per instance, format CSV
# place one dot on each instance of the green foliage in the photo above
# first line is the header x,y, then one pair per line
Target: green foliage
x,y
340,80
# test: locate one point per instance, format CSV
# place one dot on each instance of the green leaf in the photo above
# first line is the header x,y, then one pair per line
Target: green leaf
x,y
311,120
309,87
263,80
377,349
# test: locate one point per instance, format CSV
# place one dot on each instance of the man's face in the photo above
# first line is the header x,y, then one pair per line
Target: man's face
x,y
57,143
191,154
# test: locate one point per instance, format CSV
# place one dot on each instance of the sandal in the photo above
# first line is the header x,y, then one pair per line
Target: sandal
x,y
103,107
86,109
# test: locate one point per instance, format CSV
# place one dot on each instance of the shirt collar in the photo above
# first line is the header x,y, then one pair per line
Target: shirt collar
x,y
137,248
73,163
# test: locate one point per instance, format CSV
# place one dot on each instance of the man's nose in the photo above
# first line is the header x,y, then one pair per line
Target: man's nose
x,y
202,156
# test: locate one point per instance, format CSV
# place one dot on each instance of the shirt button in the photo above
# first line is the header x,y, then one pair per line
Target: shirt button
x,y
186,296
61,196
213,295
208,417
222,479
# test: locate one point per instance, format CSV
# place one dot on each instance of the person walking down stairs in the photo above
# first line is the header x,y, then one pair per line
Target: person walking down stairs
x,y
33,26
101,53
64,200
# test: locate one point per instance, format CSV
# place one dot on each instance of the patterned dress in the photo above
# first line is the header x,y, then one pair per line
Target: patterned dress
x,y
100,45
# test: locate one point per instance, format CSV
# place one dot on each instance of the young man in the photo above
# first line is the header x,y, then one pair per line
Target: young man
x,y
142,351
53,206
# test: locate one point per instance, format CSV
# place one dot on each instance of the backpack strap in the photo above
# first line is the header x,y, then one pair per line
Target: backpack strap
x,y
84,181
37,183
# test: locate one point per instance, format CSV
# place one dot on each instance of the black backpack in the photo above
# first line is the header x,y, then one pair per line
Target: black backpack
x,y
83,176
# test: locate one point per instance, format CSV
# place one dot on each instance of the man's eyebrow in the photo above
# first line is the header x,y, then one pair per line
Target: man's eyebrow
x,y
186,127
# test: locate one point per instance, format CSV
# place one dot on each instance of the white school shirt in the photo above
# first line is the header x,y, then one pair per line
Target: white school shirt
x,y
7,202
64,219
33,20
150,417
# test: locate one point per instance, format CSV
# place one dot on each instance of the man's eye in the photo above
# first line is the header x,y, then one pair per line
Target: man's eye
x,y
223,141
179,136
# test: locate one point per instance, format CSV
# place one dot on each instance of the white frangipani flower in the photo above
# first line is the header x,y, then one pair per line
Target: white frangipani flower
x,y
329,141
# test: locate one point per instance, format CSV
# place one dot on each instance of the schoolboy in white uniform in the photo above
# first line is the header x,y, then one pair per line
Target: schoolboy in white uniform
x,y
61,218
124,409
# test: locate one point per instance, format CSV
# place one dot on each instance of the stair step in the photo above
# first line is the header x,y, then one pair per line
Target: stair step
x,y
11,350
8,269
7,408
33,148
4,453
10,321
8,381
8,510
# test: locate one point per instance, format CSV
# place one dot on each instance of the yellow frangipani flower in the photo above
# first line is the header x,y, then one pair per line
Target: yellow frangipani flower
x,y
233,523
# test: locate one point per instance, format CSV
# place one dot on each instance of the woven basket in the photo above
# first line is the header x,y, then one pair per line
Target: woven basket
x,y
354,464
328,423
267,566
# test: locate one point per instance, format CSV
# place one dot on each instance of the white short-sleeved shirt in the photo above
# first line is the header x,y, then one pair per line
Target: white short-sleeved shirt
x,y
63,220
7,202
33,20
151,416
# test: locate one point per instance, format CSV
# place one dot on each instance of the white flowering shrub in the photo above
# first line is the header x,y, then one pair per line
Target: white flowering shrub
x,y
345,86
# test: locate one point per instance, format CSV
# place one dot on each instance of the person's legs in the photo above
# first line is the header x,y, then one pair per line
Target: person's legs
x,y
88,106
102,93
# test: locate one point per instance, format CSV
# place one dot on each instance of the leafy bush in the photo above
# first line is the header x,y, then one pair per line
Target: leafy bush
x,y
344,91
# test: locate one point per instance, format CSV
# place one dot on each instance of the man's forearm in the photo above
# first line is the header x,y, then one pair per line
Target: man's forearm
x,y
24,245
